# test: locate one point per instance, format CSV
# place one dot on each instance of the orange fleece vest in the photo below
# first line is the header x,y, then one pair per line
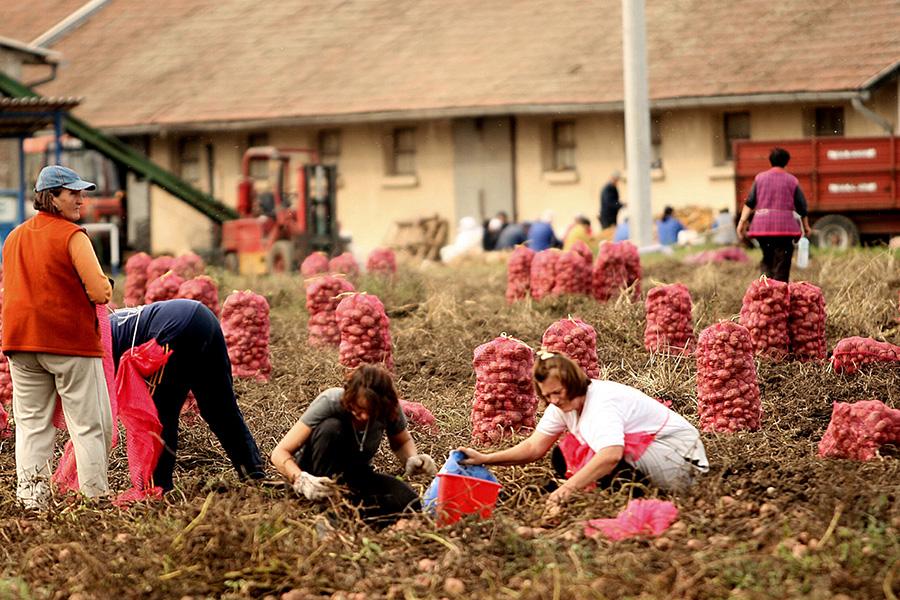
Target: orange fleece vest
x,y
45,305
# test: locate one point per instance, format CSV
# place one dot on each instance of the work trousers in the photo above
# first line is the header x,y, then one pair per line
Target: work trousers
x,y
333,451
199,363
777,252
672,462
79,380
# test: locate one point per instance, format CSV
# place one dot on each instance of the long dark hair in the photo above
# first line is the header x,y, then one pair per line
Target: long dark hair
x,y
375,384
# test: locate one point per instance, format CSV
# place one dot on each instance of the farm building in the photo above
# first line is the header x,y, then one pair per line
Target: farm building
x,y
458,108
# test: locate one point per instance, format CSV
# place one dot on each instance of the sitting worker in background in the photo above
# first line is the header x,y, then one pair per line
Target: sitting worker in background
x,y
468,241
617,430
724,231
336,439
541,235
668,227
199,363
622,231
492,230
580,231
513,235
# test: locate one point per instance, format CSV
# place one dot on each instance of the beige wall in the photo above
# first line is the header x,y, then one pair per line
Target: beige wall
x,y
369,201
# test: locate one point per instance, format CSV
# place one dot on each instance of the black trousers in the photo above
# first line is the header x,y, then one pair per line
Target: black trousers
x,y
333,451
199,363
777,253
621,474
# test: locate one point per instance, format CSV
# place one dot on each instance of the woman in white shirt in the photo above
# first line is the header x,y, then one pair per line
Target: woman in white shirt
x,y
610,422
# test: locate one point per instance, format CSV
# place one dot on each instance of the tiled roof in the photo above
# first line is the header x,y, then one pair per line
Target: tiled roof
x,y
171,62
25,20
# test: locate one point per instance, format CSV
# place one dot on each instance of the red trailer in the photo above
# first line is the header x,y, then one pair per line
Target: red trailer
x,y
852,185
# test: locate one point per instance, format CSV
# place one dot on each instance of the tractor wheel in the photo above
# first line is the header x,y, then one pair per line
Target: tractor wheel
x,y
836,231
280,258
232,264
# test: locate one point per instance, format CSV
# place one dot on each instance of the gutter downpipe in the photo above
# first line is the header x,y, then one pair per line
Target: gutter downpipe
x,y
64,27
871,115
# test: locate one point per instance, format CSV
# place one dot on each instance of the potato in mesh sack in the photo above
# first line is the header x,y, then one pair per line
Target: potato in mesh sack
x,y
136,278
504,394
543,273
344,264
727,388
572,273
858,430
189,265
365,331
806,321
670,327
163,288
618,267
382,261
765,312
314,264
577,340
245,323
322,297
159,266
518,274
854,352
202,289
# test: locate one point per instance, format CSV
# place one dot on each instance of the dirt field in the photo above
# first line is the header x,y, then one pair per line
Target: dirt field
x,y
769,520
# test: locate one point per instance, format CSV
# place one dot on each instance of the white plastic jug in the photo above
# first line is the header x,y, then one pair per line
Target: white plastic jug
x,y
803,253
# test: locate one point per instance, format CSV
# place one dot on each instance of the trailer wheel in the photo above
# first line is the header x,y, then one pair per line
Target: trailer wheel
x,y
836,231
280,258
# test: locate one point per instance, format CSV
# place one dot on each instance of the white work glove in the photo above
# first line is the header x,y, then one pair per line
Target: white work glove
x,y
420,463
314,488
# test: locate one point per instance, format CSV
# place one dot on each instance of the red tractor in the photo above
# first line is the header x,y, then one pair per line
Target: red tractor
x,y
280,225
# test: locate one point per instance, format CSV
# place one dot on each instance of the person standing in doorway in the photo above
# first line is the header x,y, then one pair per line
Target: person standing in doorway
x,y
770,215
609,202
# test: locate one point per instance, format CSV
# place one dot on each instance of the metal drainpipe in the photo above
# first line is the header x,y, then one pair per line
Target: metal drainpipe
x,y
47,79
871,115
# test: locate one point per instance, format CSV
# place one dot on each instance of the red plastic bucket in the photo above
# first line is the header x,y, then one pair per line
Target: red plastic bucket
x,y
459,495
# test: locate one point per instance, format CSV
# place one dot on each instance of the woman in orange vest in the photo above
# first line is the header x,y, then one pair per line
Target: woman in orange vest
x,y
52,282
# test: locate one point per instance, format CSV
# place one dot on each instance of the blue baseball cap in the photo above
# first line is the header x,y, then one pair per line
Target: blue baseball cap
x,y
56,176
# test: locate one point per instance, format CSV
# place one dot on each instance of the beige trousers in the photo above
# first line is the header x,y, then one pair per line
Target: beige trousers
x,y
79,380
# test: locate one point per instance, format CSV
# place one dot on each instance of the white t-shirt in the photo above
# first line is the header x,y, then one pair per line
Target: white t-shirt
x,y
610,411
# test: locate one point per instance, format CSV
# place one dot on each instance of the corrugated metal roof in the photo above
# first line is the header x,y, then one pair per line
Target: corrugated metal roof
x,y
24,116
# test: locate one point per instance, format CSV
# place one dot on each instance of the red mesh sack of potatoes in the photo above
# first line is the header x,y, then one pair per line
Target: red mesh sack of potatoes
x,y
582,249
618,267
504,397
314,264
382,261
853,352
577,340
765,312
136,278
633,270
245,323
344,264
518,274
727,389
322,297
806,321
858,430
365,331
670,328
202,289
543,273
572,272
159,266
419,416
189,265
163,288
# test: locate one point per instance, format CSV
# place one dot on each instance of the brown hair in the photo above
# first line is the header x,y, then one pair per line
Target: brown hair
x,y
571,376
43,200
375,384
